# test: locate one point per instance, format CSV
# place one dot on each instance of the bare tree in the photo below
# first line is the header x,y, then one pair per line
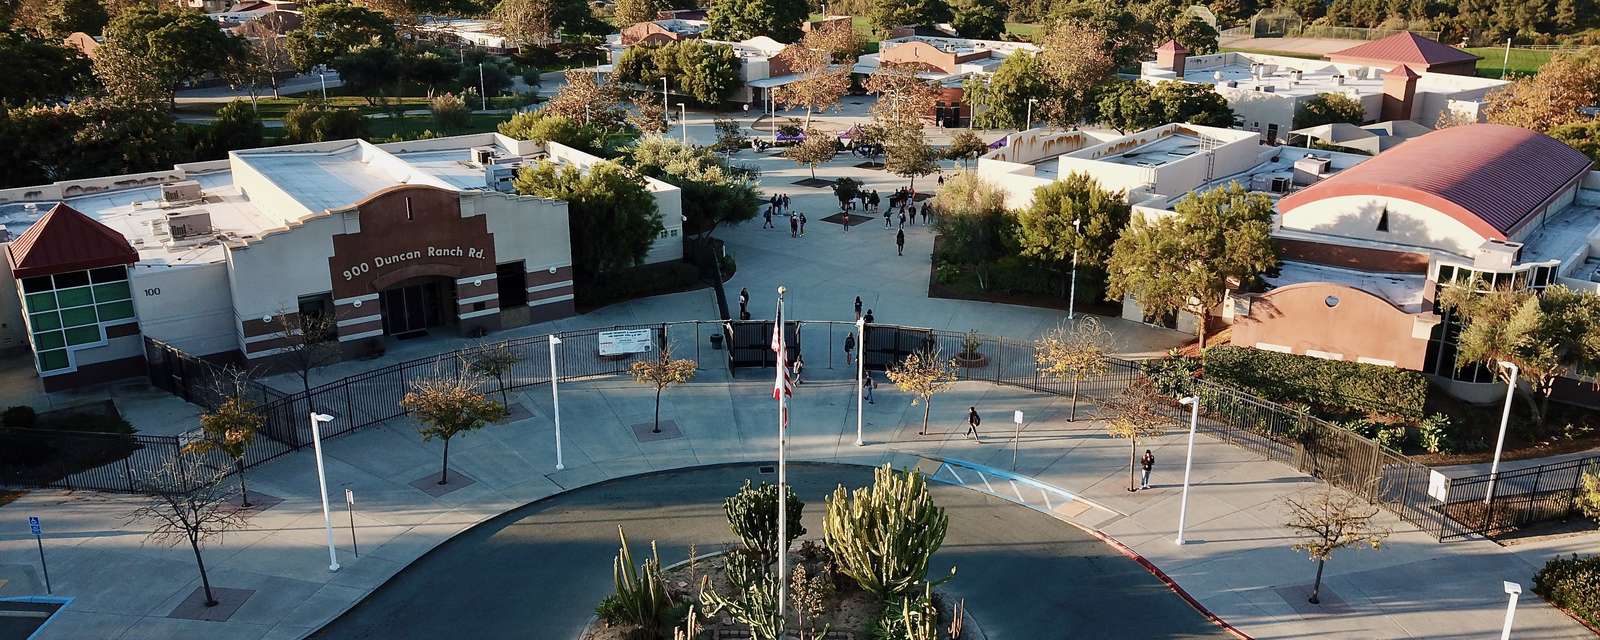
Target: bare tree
x,y
188,505
1328,520
662,372
924,374
1074,352
230,427
1133,414
495,360
448,406
307,342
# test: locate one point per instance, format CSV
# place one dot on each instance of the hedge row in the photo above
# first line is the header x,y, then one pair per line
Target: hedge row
x,y
1332,388
1572,584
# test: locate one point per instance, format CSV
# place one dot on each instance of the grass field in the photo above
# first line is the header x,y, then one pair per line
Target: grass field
x,y
1523,62
413,126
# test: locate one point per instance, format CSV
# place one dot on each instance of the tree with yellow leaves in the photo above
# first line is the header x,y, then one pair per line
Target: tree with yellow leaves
x,y
1133,414
1074,352
448,406
924,374
662,372
1328,520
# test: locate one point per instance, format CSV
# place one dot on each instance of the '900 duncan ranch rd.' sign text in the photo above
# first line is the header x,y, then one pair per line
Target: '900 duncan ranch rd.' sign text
x,y
613,343
379,262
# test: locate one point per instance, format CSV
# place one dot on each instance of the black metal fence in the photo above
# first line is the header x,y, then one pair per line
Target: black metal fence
x,y
1266,429
1521,497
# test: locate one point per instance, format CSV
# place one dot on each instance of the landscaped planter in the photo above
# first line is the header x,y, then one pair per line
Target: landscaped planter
x,y
972,360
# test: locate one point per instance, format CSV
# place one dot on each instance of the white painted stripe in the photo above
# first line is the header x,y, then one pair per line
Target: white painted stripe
x,y
363,298
475,314
470,279
358,336
547,287
356,321
1377,361
270,336
1267,346
484,298
953,473
547,268
536,303
24,614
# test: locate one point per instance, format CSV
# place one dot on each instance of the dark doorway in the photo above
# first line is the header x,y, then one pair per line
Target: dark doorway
x,y
416,306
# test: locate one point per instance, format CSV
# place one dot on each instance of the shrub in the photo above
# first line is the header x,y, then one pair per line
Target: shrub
x,y
883,535
1393,437
1334,389
753,517
449,112
1572,584
1434,434
18,417
1173,375
1589,496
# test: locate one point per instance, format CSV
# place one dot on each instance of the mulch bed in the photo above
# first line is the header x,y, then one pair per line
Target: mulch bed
x,y
814,182
854,218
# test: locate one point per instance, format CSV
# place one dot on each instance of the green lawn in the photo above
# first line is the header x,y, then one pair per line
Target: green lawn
x,y
1522,62
1025,30
413,126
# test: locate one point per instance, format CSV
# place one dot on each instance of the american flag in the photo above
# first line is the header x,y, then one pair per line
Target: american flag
x,y
782,386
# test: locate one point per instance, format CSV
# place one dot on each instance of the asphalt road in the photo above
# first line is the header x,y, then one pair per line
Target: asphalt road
x,y
538,571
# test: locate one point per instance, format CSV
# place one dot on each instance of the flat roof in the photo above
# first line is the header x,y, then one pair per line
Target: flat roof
x,y
1158,152
1565,233
1316,76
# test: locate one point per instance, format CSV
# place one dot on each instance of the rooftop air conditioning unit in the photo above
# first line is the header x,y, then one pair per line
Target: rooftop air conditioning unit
x,y
1338,79
1281,184
481,156
189,225
1297,75
1496,255
1266,88
180,193
501,176
1231,84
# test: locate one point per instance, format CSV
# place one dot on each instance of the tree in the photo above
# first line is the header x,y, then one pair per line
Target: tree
x,y
714,192
1328,108
448,406
586,100
175,46
1194,34
965,145
1075,62
629,12
1554,97
903,98
126,78
846,189
270,51
538,22
68,16
187,505
730,136
973,222
228,430
662,372
745,19
307,341
923,374
1545,334
1073,353
648,116
705,72
753,517
1327,520
888,14
237,127
87,138
1133,105
816,149
41,70
822,82
909,155
334,29
542,126
1000,101
1217,241
496,360
978,19
449,112
312,121
1133,414
1583,136
613,219
1072,219
883,535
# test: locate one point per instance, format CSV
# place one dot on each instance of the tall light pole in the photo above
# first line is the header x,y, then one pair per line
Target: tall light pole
x,y
1513,590
1072,291
1030,113
483,97
861,369
1188,461
323,76
772,115
1500,443
322,481
683,121
555,397
666,111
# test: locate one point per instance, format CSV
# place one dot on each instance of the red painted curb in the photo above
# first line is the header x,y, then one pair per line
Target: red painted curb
x,y
1162,576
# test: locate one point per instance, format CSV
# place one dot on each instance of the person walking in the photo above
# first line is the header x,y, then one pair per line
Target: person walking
x,y
785,199
802,217
913,210
794,227
902,218
767,219
900,241
886,223
1147,462
798,366
867,385
744,301
849,348
972,423
858,307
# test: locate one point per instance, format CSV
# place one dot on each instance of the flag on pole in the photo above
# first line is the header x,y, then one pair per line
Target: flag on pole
x,y
782,386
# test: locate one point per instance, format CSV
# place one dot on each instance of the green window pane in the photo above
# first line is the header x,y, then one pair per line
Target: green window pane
x,y
77,317
52,360
116,311
112,291
83,335
45,321
48,340
41,301
74,297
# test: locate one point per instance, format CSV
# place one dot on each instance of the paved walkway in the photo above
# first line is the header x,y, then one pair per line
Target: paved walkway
x,y
1238,562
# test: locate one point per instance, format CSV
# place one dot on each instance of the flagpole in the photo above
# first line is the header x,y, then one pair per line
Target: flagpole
x,y
783,490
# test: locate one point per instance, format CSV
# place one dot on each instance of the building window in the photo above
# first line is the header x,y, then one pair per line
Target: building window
x,y
318,305
67,310
513,281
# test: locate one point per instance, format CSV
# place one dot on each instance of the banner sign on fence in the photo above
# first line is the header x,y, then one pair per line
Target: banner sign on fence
x,y
614,343
1438,485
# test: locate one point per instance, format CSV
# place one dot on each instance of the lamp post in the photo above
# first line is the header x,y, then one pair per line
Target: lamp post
x,y
861,369
1500,443
1072,291
483,97
555,398
666,111
1188,461
683,121
323,76
1030,113
772,115
322,482
1513,590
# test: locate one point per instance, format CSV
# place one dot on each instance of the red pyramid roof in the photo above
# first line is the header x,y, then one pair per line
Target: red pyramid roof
x,y
1172,45
66,240
1403,71
1406,47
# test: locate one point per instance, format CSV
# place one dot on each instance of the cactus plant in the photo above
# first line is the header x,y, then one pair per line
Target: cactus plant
x,y
912,618
641,597
753,516
884,535
754,602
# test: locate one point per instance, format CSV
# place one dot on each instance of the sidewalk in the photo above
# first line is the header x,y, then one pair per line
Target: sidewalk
x,y
1237,562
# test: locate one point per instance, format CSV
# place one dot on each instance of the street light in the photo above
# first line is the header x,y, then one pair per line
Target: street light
x,y
1188,461
1505,417
323,76
683,121
1072,293
861,368
666,111
322,481
1513,590
1030,113
483,97
555,398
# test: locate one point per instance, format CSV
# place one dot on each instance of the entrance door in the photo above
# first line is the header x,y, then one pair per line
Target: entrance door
x,y
415,307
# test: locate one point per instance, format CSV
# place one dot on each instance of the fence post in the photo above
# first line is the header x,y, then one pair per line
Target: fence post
x,y
127,471
1572,496
1533,496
